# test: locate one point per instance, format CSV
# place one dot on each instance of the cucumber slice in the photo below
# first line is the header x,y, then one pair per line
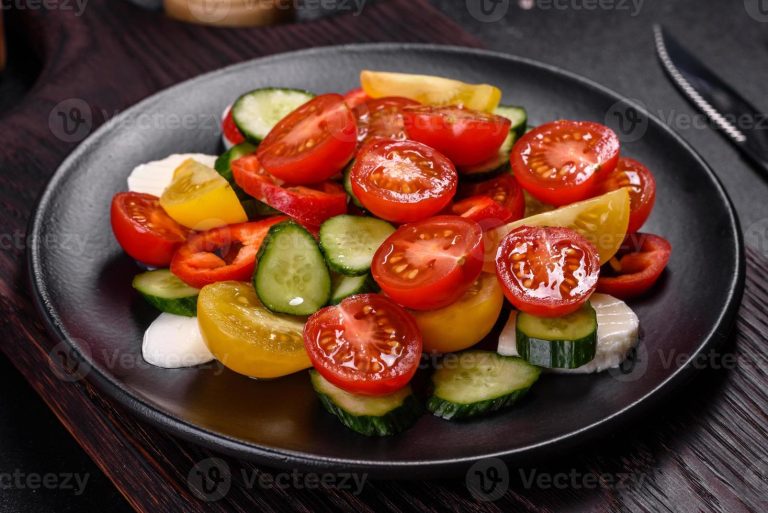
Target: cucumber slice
x,y
291,276
344,286
255,113
479,382
368,415
349,242
558,342
254,208
517,116
167,293
348,185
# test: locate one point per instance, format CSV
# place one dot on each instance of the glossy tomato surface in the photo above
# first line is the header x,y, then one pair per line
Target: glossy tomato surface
x,y
547,271
230,130
639,181
144,230
221,254
355,97
402,181
503,189
429,264
482,210
310,205
382,117
640,262
559,162
465,136
366,344
312,143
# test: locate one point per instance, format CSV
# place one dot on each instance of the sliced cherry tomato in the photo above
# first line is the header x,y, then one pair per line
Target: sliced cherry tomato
x,y
366,344
230,130
144,230
465,136
559,162
382,118
641,260
429,264
482,210
355,97
402,181
546,271
310,206
312,143
221,254
504,190
642,189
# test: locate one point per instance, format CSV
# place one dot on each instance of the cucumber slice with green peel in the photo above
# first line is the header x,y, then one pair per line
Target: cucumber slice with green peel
x,y
368,415
166,292
517,115
344,286
349,242
256,112
477,382
291,276
223,164
348,185
563,342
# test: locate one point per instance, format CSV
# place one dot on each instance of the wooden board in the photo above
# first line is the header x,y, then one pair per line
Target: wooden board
x,y
704,451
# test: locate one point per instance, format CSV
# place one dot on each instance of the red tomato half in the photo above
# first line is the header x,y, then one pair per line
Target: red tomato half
x,y
429,264
310,206
144,230
230,130
312,143
545,271
402,181
642,189
641,259
221,254
482,210
465,136
559,162
355,97
366,344
503,189
382,117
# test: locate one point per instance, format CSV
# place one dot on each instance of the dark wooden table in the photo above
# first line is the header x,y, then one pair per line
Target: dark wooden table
x,y
703,450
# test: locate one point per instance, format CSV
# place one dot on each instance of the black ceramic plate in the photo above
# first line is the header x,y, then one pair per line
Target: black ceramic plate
x,y
82,280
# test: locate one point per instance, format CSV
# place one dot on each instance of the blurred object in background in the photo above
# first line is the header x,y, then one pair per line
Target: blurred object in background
x,y
154,5
2,43
230,13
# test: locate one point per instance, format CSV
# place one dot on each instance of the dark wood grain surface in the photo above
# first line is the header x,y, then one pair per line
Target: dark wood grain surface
x,y
704,450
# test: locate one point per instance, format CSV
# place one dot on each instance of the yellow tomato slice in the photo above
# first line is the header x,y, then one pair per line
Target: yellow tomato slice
x,y
465,322
246,337
602,220
200,198
430,90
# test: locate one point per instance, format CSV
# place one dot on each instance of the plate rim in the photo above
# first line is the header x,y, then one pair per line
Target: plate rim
x,y
286,458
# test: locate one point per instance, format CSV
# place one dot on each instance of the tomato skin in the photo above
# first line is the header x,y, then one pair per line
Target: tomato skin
x,y
229,129
355,97
328,124
482,210
382,117
402,181
642,259
198,262
642,189
558,165
545,271
350,328
503,189
310,206
144,230
465,136
429,264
